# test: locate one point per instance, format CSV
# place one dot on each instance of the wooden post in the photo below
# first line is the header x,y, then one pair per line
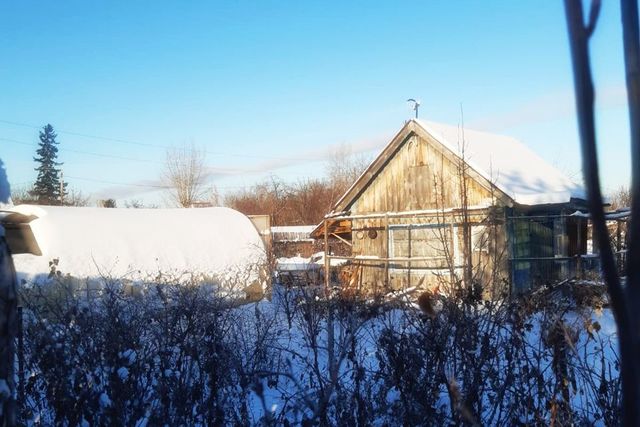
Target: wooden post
x,y
386,255
511,246
454,249
327,261
409,256
618,236
579,267
578,253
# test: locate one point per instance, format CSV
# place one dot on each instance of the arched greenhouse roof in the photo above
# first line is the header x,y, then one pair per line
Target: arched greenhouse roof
x,y
137,244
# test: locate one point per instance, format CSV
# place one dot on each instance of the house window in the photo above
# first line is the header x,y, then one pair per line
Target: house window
x,y
533,238
432,243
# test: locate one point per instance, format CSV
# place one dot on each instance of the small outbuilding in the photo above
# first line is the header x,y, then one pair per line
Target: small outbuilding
x,y
443,206
293,240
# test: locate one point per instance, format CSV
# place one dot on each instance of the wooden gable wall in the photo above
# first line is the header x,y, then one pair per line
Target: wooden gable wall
x,y
421,174
417,173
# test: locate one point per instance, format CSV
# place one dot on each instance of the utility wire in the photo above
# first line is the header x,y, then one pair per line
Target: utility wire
x,y
145,144
30,144
124,141
83,135
163,187
89,153
102,181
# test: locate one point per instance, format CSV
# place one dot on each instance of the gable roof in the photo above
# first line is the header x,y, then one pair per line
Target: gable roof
x,y
510,165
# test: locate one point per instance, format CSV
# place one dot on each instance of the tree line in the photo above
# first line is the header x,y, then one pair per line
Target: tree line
x,y
303,202
184,175
306,201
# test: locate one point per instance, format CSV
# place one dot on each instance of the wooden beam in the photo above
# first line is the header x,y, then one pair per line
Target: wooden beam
x,y
327,260
386,241
346,242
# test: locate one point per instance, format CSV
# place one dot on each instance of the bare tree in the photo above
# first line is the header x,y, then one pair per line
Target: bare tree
x,y
621,198
107,203
184,174
22,195
271,197
625,300
310,200
212,195
344,168
133,204
75,197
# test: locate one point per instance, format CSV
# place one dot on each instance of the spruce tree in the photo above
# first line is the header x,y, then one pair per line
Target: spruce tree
x,y
47,187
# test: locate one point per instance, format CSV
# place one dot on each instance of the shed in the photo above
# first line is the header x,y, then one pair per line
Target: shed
x,y
444,206
293,240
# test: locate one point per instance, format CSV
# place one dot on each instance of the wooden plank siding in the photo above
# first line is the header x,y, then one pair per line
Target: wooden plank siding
x,y
419,177
489,252
418,173
402,178
415,184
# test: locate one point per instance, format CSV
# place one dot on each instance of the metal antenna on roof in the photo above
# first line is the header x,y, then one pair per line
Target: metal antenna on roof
x,y
415,105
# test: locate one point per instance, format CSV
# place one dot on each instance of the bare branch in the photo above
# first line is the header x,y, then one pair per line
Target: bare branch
x,y
631,36
594,12
579,39
184,173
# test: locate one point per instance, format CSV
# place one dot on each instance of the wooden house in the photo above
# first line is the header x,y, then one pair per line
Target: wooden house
x,y
443,206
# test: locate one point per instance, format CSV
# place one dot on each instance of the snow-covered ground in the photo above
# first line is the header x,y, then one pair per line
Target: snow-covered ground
x,y
313,262
287,360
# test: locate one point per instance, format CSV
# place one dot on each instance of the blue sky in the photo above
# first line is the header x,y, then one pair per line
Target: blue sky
x,y
274,87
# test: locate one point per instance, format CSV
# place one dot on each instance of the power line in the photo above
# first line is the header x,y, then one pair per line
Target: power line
x,y
71,150
102,181
18,142
30,144
162,187
145,144
125,184
124,141
83,135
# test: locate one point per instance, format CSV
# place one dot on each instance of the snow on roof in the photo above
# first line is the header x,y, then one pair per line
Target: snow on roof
x,y
292,228
619,214
509,164
293,233
139,243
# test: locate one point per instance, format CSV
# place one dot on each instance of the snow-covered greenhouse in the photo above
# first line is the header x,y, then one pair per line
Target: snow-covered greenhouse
x,y
216,245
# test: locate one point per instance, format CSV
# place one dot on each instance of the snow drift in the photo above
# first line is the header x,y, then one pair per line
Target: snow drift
x,y
138,244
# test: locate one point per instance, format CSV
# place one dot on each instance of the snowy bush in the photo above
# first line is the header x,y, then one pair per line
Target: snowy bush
x,y
177,354
500,364
168,353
